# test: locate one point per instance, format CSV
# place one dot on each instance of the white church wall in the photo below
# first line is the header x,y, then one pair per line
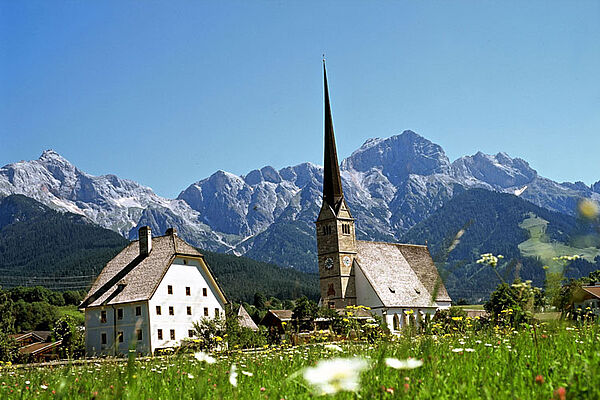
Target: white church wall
x,y
182,274
365,294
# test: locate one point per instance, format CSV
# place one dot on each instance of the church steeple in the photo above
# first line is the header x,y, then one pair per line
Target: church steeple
x,y
336,237
332,182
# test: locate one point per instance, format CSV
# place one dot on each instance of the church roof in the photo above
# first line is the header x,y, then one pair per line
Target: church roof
x,y
402,275
245,319
131,277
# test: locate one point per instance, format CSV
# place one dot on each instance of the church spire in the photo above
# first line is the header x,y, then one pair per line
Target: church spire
x,y
332,182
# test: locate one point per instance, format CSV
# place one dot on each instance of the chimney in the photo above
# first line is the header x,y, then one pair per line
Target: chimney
x,y
145,235
171,232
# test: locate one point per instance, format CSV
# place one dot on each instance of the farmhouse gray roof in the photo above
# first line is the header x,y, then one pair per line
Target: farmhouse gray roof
x,y
402,275
245,319
131,277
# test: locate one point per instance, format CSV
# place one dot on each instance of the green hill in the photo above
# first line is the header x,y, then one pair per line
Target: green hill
x,y
63,251
480,221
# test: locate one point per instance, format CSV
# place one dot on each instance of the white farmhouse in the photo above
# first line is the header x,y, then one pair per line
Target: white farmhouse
x,y
149,295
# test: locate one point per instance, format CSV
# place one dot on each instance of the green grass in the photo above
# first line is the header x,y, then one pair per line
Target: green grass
x,y
73,312
472,307
503,365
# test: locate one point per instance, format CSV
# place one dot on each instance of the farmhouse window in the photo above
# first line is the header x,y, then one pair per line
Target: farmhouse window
x,y
170,289
160,334
190,333
204,292
188,291
120,336
158,310
189,310
119,313
103,317
206,311
171,310
103,338
216,313
172,334
138,333
138,311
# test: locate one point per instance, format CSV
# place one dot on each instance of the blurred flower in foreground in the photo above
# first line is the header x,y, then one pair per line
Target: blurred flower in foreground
x,y
410,363
233,375
202,356
336,374
588,209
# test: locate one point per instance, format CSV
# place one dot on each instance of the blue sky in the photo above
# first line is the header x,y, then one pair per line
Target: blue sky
x,y
166,93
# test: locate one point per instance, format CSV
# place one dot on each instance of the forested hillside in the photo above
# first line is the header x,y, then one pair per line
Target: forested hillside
x,y
38,243
42,247
481,221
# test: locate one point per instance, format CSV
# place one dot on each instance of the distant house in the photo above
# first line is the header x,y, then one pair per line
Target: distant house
x,y
149,296
36,345
245,320
275,320
586,299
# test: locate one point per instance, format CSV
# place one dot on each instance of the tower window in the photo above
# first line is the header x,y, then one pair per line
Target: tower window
x,y
326,229
346,229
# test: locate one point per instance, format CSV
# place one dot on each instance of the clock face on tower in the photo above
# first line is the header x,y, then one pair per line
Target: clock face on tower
x,y
329,263
347,261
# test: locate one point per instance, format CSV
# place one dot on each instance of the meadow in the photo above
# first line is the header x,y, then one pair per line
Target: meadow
x,y
549,361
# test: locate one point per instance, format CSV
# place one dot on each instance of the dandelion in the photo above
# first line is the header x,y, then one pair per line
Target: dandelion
x,y
410,363
337,374
333,347
233,375
203,357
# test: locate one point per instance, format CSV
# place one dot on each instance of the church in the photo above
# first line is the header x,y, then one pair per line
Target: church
x,y
400,282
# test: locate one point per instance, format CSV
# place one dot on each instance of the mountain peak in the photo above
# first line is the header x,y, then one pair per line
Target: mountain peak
x,y
399,156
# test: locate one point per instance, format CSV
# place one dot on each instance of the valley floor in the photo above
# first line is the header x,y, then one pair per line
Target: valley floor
x,y
552,361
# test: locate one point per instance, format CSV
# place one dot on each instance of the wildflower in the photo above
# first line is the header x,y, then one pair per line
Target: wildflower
x,y
262,389
560,393
44,387
203,357
190,376
457,350
337,374
469,350
233,375
539,379
410,363
333,347
247,373
588,209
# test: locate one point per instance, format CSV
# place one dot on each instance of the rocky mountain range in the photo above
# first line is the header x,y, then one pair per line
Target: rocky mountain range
x,y
390,184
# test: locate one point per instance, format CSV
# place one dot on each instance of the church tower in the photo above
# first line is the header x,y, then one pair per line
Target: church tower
x,y
336,238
